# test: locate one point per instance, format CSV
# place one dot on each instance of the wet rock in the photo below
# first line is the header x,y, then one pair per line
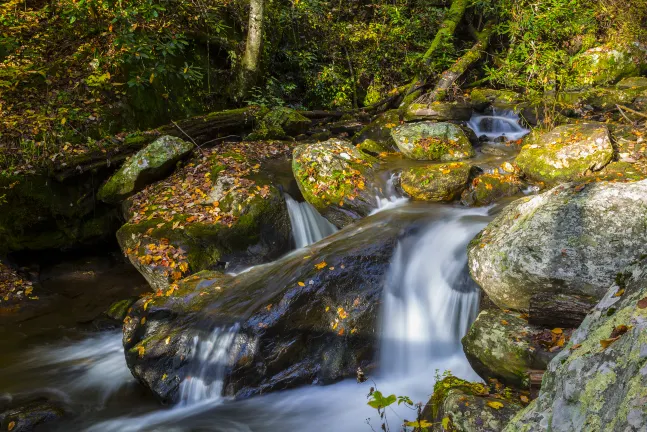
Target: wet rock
x,y
220,211
30,416
607,64
570,239
500,345
599,381
119,309
310,317
432,141
462,406
436,182
439,111
152,163
490,187
566,153
336,178
376,136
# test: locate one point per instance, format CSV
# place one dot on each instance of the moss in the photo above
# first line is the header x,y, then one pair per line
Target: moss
x,y
432,141
438,182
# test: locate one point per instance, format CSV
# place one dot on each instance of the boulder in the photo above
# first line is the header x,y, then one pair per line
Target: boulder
x,y
220,211
280,123
607,64
570,239
310,317
336,178
502,99
154,162
376,136
599,381
500,345
490,187
461,406
432,141
31,415
436,182
439,111
633,83
566,153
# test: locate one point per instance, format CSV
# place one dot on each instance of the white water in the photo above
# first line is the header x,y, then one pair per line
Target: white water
x,y
308,226
429,303
389,197
502,123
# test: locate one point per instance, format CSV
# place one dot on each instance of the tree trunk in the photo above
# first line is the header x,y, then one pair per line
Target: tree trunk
x,y
449,77
252,57
447,29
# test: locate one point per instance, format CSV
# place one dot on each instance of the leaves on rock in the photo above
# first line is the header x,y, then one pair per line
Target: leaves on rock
x,y
494,404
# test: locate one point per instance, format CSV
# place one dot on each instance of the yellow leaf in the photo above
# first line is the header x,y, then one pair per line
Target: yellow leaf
x,y
327,308
504,322
11,425
495,405
524,399
301,284
167,340
321,265
141,351
63,120
164,377
150,80
557,330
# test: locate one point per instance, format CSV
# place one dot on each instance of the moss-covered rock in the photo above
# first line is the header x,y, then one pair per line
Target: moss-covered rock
x,y
571,239
622,172
432,141
280,123
152,163
599,381
499,345
439,111
217,212
436,182
504,99
490,187
566,153
336,178
311,316
607,64
461,406
633,83
377,134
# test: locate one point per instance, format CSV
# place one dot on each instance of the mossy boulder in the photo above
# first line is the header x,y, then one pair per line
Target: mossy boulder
x,y
336,178
633,83
436,182
505,99
376,137
599,381
566,153
311,316
439,111
490,187
462,406
152,163
280,123
607,64
217,212
499,345
602,99
432,141
570,239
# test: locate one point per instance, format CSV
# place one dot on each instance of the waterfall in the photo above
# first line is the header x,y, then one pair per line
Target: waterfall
x,y
308,226
388,197
500,124
429,299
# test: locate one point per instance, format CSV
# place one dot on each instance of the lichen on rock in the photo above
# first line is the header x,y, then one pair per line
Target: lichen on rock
x,y
432,141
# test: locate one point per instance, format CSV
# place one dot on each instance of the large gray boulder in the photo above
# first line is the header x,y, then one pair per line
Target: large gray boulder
x,y
566,153
599,381
152,163
570,240
432,141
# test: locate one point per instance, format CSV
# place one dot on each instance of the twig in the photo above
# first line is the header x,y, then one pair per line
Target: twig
x,y
638,113
221,138
189,137
631,122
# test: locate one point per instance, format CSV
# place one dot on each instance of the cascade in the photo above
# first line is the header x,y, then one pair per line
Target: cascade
x,y
500,124
308,226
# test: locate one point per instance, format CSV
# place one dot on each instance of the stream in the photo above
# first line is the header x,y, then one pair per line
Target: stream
x,y
429,301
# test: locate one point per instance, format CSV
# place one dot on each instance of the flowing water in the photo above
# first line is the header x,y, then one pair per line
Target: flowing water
x,y
499,124
308,226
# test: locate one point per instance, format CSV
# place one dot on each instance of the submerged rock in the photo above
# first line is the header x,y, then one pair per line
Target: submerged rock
x,y
571,240
599,381
310,317
461,406
500,345
432,141
152,163
336,178
566,153
218,212
436,182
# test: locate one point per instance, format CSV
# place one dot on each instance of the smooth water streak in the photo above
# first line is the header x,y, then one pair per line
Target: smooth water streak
x,y
500,124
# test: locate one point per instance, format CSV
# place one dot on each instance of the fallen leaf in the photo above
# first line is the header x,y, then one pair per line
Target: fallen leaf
x,y
504,322
524,399
301,284
557,330
642,304
606,342
11,425
495,405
